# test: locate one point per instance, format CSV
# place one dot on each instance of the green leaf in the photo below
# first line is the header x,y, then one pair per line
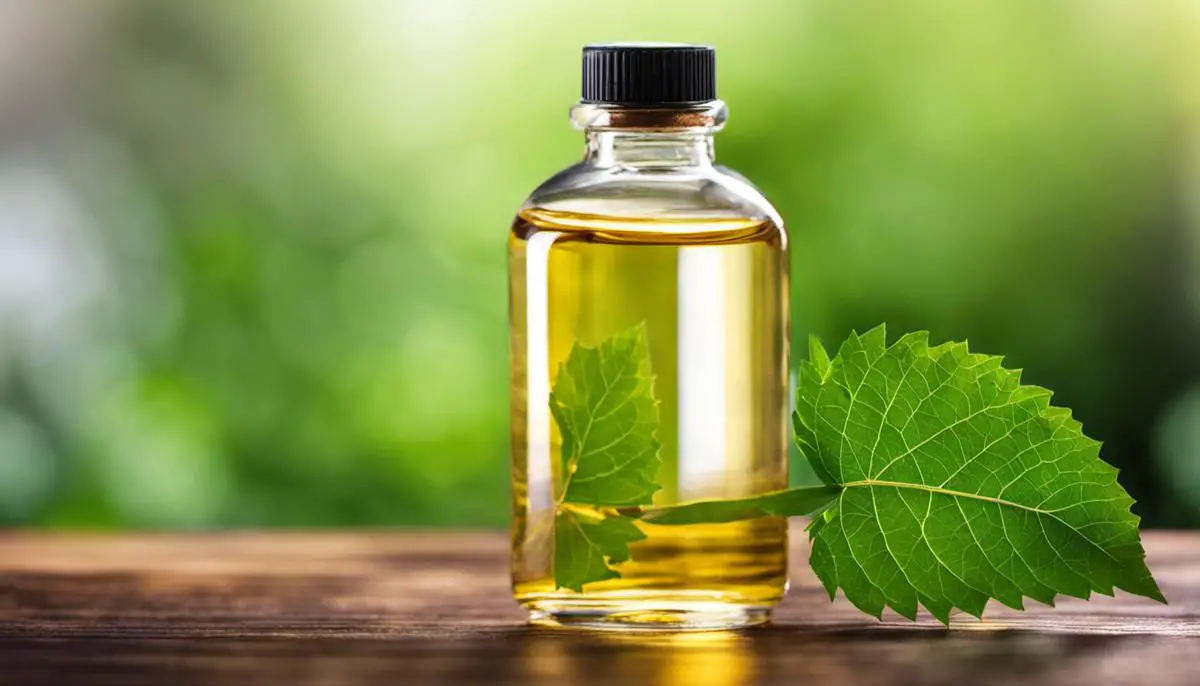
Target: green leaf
x,y
586,545
603,402
959,484
788,503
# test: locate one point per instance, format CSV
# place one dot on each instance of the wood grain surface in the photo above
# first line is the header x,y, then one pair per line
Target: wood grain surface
x,y
367,608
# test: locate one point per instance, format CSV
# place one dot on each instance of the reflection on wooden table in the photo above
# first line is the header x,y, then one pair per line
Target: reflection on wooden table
x,y
430,608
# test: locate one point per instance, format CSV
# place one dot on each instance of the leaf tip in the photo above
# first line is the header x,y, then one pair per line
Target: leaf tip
x,y
875,337
909,613
818,357
1149,589
917,342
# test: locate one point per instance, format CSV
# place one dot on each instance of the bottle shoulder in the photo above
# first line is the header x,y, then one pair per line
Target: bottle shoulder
x,y
701,192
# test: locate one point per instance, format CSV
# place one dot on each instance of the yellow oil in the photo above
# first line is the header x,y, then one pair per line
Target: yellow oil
x,y
712,293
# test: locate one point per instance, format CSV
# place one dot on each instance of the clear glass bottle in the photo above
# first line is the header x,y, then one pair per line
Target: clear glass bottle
x,y
648,231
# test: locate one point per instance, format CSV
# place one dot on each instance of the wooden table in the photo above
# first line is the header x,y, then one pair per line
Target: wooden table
x,y
404,608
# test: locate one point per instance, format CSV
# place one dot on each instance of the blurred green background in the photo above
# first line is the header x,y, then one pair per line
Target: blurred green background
x,y
252,253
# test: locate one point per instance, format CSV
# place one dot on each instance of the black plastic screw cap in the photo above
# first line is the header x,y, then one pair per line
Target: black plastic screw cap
x,y
649,74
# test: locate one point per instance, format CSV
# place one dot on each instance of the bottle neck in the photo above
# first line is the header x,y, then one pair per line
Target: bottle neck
x,y
650,137
650,149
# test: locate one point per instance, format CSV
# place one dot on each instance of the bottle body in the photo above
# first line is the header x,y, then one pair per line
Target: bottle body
x,y
698,258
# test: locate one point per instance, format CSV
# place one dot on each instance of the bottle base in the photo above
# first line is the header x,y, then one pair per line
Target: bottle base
x,y
690,616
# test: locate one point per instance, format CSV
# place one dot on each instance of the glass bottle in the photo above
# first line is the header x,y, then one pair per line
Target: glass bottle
x,y
647,238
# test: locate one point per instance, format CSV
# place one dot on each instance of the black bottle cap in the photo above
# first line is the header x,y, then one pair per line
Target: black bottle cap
x,y
649,74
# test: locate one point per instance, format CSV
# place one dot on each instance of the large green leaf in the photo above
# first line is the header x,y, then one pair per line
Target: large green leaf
x,y
959,484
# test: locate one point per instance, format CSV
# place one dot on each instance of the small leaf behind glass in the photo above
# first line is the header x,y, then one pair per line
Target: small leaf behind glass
x,y
603,402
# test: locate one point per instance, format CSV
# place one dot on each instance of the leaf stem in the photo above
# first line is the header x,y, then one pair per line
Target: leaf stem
x,y
787,502
944,491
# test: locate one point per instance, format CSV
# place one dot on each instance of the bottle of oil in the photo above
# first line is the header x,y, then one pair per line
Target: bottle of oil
x,y
647,230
